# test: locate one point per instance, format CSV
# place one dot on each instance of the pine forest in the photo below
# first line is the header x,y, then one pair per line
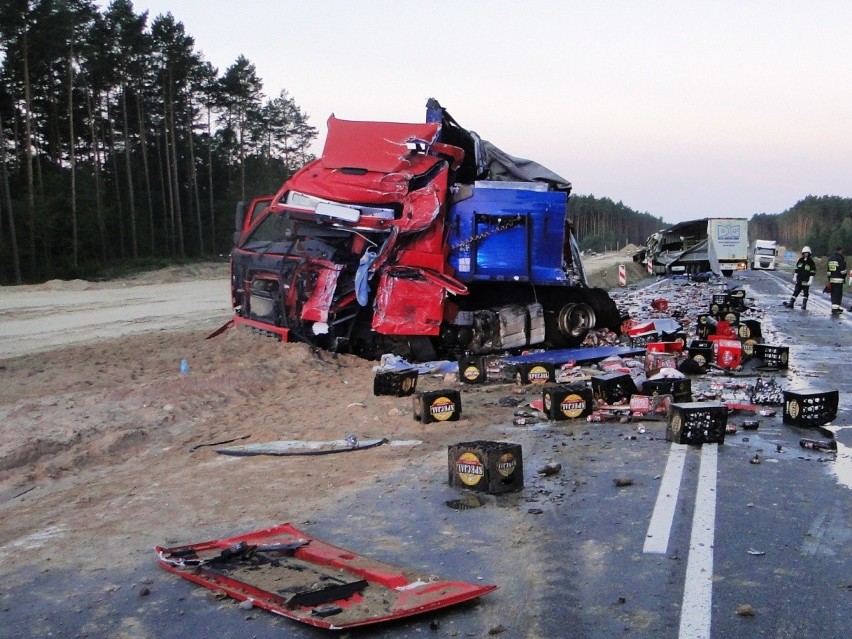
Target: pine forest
x,y
120,146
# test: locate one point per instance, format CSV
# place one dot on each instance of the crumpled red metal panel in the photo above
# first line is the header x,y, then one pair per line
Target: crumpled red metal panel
x,y
420,208
375,146
380,148
390,592
316,308
408,305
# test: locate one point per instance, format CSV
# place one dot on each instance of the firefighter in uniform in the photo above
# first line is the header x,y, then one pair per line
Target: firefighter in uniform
x,y
803,277
836,267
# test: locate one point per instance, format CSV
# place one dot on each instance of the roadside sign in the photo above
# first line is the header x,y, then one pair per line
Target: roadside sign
x,y
788,256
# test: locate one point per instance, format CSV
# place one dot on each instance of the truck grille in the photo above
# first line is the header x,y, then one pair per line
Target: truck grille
x,y
262,298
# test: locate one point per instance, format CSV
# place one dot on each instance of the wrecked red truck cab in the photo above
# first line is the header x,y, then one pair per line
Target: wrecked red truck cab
x,y
247,213
417,239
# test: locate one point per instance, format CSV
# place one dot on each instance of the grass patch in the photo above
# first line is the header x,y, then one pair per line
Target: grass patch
x,y
132,268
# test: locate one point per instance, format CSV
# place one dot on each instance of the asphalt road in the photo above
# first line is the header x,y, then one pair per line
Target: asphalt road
x,y
701,542
757,550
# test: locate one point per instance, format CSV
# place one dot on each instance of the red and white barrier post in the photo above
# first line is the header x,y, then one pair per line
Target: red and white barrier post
x,y
622,275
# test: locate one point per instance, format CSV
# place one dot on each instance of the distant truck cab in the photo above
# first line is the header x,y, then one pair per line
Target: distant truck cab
x,y
763,255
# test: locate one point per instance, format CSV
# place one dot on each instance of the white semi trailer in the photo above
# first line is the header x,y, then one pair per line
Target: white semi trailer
x,y
717,244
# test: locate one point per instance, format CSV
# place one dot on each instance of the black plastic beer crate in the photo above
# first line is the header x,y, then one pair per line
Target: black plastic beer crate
x,y
705,326
486,466
398,382
679,388
535,373
720,312
767,392
473,370
678,337
437,406
730,316
737,299
640,341
701,351
772,356
613,388
567,401
748,349
720,303
810,409
749,329
697,423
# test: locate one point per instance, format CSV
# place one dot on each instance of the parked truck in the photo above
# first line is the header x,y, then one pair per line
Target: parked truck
x,y
718,245
419,239
763,255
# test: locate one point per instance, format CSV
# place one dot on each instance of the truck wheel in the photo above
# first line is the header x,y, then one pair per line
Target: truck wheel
x,y
575,320
553,337
607,314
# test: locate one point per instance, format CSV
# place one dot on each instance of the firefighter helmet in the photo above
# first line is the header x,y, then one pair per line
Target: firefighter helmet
x,y
806,249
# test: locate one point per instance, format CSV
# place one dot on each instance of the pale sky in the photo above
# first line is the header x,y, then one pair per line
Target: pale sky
x,y
681,109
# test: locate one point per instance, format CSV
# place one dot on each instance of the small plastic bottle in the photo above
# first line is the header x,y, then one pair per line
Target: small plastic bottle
x,y
184,366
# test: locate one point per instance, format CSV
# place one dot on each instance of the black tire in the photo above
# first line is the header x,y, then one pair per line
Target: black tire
x,y
552,337
422,349
606,312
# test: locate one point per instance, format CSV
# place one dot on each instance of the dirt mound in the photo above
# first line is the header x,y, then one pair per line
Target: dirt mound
x,y
128,395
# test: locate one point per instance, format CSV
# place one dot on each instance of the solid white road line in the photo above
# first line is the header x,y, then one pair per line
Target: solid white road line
x,y
660,527
696,608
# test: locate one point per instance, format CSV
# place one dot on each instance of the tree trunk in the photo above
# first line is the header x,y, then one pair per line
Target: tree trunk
x,y
96,172
72,158
210,182
143,141
134,245
193,179
178,215
39,172
166,171
28,153
7,196
115,180
242,154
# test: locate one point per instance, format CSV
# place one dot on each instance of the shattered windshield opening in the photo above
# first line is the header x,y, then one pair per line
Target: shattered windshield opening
x,y
287,233
273,229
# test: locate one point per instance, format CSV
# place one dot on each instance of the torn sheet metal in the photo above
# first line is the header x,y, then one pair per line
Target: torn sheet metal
x,y
296,447
316,307
382,147
289,573
376,158
408,303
